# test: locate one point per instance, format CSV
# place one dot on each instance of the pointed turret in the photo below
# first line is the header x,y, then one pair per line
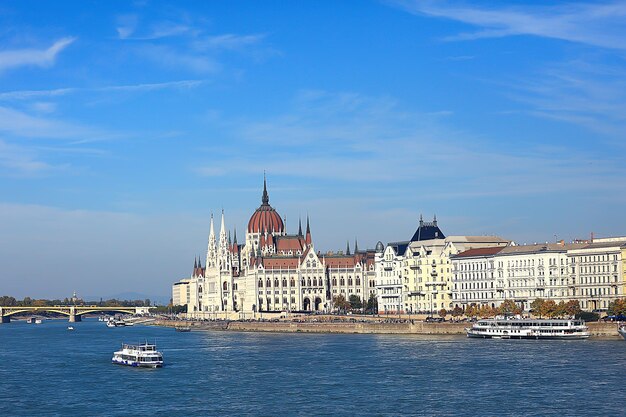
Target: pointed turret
x,y
421,221
356,246
235,246
300,227
266,198
347,247
199,262
211,255
307,239
224,258
435,220
195,263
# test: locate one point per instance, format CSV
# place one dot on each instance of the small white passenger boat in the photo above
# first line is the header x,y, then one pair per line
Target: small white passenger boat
x,y
528,329
70,327
143,356
622,330
116,323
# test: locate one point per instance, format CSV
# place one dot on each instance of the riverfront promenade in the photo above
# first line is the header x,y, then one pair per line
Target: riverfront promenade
x,y
597,329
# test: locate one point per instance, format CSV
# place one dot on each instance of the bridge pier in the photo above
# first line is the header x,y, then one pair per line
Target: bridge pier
x,y
75,318
6,319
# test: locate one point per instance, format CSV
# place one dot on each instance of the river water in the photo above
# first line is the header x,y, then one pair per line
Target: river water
x,y
47,370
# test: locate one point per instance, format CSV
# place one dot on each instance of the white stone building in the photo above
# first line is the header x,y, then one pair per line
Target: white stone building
x,y
590,272
415,276
272,272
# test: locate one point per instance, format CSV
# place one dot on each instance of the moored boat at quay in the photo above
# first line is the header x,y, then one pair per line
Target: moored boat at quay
x,y
622,331
564,329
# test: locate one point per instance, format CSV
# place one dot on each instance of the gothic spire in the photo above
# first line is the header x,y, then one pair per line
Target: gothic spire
x,y
195,263
266,198
307,239
356,246
299,227
347,247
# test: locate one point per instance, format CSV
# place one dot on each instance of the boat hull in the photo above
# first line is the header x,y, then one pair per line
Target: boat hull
x,y
529,337
622,331
135,364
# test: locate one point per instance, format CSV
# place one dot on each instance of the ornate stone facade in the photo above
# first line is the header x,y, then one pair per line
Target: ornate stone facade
x,y
590,272
272,271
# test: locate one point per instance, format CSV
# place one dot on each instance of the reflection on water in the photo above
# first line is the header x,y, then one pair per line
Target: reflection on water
x,y
46,370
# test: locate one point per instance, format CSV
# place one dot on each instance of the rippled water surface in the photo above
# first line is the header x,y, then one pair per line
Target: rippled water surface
x,y
48,370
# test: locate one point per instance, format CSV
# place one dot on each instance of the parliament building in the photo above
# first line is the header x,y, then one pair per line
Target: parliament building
x,y
271,271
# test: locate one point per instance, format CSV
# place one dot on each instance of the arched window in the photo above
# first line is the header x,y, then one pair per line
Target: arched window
x,y
350,281
269,283
225,286
358,281
284,282
302,283
315,282
334,282
309,281
276,283
260,283
293,282
342,282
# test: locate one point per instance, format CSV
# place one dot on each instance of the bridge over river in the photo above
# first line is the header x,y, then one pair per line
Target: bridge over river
x,y
73,312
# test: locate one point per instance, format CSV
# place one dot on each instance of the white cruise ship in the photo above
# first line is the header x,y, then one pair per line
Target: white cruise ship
x,y
143,356
528,329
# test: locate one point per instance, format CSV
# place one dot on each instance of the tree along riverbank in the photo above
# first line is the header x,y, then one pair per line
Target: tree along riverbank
x,y
597,329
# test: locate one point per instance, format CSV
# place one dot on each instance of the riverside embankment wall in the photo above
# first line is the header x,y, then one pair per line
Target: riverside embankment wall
x,y
598,330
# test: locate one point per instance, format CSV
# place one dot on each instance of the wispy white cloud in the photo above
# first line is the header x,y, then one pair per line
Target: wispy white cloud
x,y
228,41
19,124
357,139
126,25
597,24
45,107
576,92
144,87
170,57
33,57
186,43
17,161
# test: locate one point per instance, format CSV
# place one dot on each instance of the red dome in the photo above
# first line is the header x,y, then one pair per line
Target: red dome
x,y
265,218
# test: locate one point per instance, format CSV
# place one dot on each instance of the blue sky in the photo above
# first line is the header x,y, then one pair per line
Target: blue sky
x,y
123,125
